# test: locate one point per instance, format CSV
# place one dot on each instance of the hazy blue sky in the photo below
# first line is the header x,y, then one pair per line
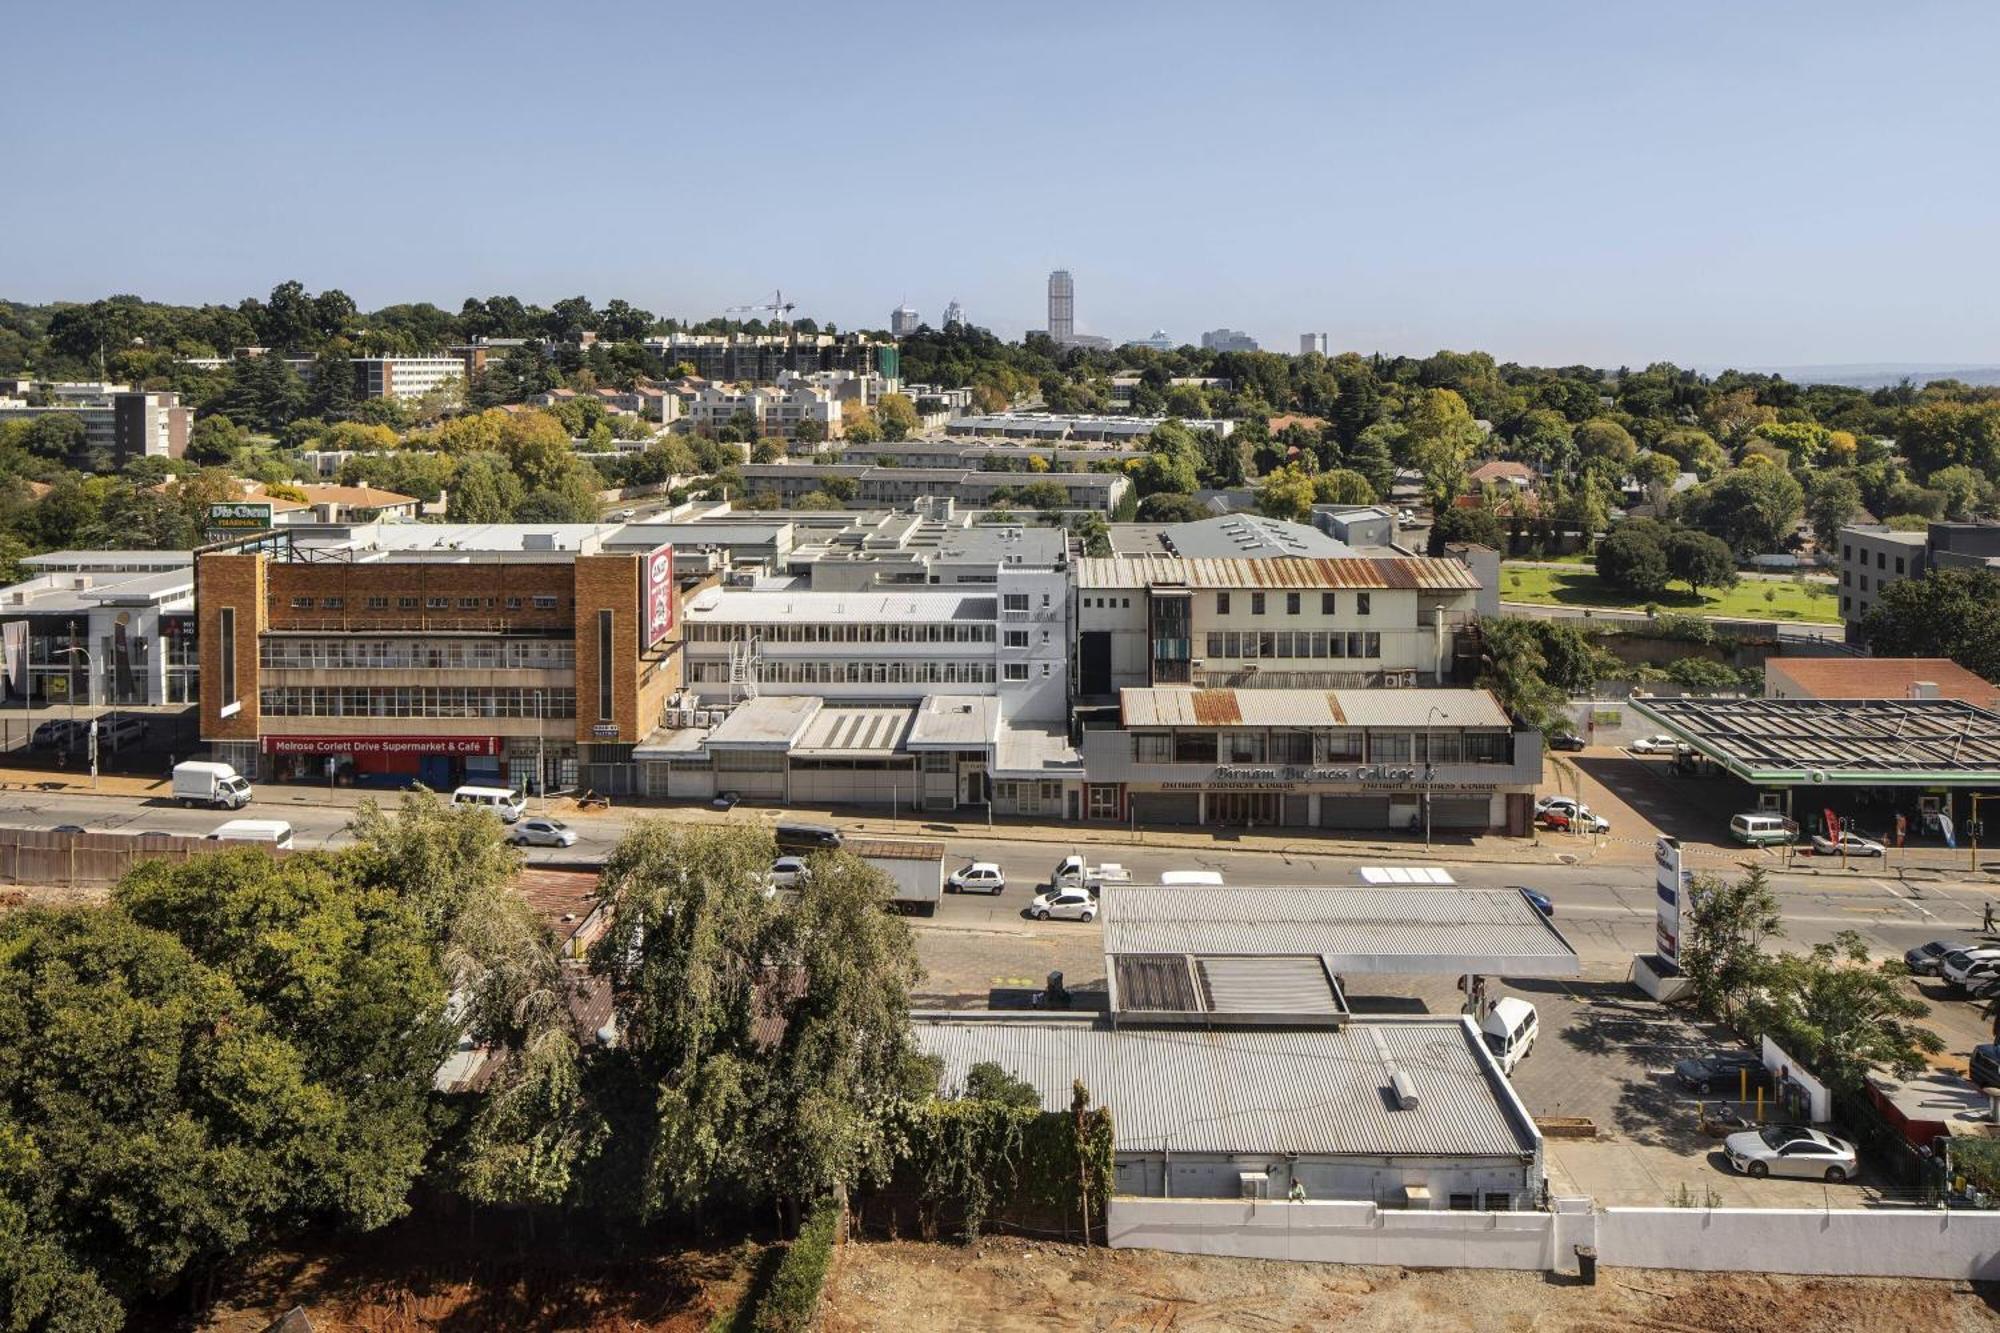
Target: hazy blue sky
x,y
1598,182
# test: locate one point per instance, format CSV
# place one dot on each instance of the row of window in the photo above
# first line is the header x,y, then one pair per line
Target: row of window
x,y
1881,560
850,632
381,654
1329,603
539,603
854,673
414,701
1336,746
1231,645
1847,578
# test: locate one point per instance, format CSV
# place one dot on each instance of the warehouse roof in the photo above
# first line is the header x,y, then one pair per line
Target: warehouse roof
x,y
1248,536
1421,573
1838,742
854,731
1317,1091
955,722
1875,678
768,722
1147,707
1496,932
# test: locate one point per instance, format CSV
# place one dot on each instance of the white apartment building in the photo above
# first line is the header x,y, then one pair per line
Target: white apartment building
x,y
407,376
116,419
778,409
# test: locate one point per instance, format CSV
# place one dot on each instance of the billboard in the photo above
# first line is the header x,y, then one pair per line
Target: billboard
x,y
656,596
1670,893
233,516
459,745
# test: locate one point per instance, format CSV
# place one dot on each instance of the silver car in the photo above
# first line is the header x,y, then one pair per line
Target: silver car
x,y
543,833
1790,1150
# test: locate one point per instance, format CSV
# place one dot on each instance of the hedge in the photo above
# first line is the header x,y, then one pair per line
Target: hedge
x,y
793,1296
978,1161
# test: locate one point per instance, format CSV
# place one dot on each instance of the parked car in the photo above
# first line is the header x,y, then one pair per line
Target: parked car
x,y
1566,740
1541,902
1722,1072
115,731
625,515
1407,518
1925,959
1576,819
1790,1150
1965,968
55,732
1853,843
1756,829
979,877
1065,905
544,833
726,801
787,871
69,828
1555,803
808,837
1984,1069
1660,744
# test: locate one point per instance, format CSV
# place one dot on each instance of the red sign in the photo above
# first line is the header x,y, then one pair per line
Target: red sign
x,y
460,745
656,594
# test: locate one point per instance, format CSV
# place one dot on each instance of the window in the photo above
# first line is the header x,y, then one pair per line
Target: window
x,y
406,603
302,603
1291,747
1389,747
1015,672
1194,747
1267,644
1045,601
378,604
1847,551
1864,583
1284,643
333,603
1242,747
226,623
1214,643
1881,560
1014,601
1361,601
513,604
1047,667
1125,603
468,603
1847,578
1291,606
1222,604
1152,747
1016,638
545,603
604,709
1899,564
437,603
1256,603
1329,603
1845,601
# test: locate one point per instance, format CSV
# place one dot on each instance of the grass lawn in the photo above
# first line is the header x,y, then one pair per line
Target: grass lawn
x,y
1747,600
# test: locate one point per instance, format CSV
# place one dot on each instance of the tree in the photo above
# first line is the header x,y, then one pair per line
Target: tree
x,y
987,1081
1343,486
333,384
896,414
58,436
1169,507
1951,613
1965,491
1832,501
1373,456
1043,495
484,490
1092,532
1753,509
858,424
1514,667
216,440
1442,438
1723,930
1158,472
1699,560
1604,440
1840,1016
1634,559
1286,493
1474,524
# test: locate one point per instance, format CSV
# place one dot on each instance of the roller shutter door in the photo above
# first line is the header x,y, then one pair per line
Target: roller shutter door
x,y
1462,812
1159,807
1354,812
1298,811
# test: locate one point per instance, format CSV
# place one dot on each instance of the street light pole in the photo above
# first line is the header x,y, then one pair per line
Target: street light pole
x,y
541,764
1430,768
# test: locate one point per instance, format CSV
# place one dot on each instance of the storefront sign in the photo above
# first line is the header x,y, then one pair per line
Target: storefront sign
x,y
358,745
609,729
1670,894
1307,773
239,516
656,595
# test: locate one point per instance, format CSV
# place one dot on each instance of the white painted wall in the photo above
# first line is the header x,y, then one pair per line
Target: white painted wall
x,y
1856,1242
1331,1232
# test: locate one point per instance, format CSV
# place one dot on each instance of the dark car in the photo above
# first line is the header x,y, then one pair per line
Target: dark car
x,y
1542,902
1984,1071
810,837
1722,1072
1565,740
1926,959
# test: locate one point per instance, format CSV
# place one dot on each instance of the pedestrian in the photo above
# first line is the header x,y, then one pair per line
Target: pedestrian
x,y
1986,922
1297,1193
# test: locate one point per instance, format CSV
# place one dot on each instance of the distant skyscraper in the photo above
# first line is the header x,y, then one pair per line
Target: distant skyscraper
x,y
1312,342
953,314
903,321
1062,307
1228,340
1159,342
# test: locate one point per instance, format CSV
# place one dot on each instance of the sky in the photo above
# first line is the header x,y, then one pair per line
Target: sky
x,y
1755,184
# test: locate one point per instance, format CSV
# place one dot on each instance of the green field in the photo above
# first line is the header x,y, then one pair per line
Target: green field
x,y
1747,600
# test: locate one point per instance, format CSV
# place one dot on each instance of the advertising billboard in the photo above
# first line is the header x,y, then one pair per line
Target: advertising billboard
x,y
237,516
656,595
1670,893
360,745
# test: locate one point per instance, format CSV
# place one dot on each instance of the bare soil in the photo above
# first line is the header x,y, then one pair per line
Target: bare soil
x,y
1012,1286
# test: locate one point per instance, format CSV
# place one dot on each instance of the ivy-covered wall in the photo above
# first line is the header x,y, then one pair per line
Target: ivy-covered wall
x,y
969,1166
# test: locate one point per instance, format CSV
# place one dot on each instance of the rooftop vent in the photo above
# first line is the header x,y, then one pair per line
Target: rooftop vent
x,y
1923,689
1396,1085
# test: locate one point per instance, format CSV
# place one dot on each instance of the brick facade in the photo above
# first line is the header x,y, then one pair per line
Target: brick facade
x,y
237,582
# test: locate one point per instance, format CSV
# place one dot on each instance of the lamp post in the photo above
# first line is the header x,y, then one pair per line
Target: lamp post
x,y
541,768
1430,769
89,702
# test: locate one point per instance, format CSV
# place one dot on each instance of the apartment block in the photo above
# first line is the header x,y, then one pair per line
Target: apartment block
x,y
119,421
903,487
775,409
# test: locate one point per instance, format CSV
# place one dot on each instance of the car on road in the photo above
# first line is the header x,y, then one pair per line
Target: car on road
x,y
1566,740
1573,819
543,833
1064,905
69,828
1926,959
1965,968
1407,518
979,877
1660,744
1541,902
1791,1150
624,515
1984,1069
726,801
787,871
1852,844
1722,1072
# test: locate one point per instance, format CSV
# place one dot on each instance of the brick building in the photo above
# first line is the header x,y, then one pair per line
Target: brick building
x,y
436,653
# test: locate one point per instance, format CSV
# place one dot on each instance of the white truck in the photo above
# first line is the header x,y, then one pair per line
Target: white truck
x,y
1073,872
199,783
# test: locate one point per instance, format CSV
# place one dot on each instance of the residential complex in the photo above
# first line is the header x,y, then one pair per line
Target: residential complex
x,y
1872,556
900,487
779,409
1053,426
118,422
762,358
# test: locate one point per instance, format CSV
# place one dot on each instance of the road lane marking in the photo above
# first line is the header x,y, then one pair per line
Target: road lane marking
x,y
1911,902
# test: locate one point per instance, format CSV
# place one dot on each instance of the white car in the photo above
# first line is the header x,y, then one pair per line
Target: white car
x,y
1853,843
1562,803
787,871
1065,905
979,877
1660,744
1969,967
543,833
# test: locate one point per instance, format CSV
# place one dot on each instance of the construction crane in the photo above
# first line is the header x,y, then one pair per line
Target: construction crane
x,y
778,307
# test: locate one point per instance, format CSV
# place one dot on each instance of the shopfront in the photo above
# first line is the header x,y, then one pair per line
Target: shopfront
x,y
438,762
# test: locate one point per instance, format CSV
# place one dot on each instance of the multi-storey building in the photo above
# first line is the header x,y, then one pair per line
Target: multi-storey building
x,y
1873,556
1053,426
528,654
902,487
1274,623
1228,340
1312,342
117,421
984,455
904,321
762,358
102,627
1062,308
778,410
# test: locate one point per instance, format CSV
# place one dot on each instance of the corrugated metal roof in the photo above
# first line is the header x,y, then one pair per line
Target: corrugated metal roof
x,y
1155,983
1422,573
1276,1091
1298,985
1182,707
855,729
1355,930
893,849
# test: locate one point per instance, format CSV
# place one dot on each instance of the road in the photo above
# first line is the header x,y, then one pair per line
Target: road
x,y
1606,911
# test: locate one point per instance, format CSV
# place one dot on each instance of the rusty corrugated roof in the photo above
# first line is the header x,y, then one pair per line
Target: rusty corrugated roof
x,y
1421,573
1170,706
1215,708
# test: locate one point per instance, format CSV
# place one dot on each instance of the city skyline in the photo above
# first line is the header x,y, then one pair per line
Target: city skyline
x,y
1550,184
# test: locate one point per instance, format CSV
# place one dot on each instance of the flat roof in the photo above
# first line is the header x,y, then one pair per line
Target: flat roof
x,y
853,731
768,722
1322,1091
1035,752
84,562
873,606
1882,678
955,722
1837,742
1248,536
1355,930
1145,706
1361,573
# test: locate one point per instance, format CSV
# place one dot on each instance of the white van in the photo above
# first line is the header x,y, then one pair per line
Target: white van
x,y
274,831
503,801
1757,830
1509,1029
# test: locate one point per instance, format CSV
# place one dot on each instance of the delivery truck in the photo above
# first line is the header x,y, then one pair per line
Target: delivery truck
x,y
200,783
